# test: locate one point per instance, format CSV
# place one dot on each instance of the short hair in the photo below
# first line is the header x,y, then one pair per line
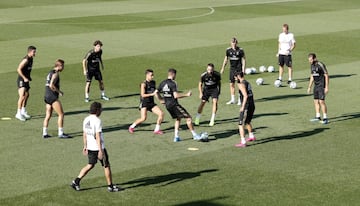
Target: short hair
x,y
30,48
234,40
211,65
172,70
59,62
97,42
286,26
149,71
312,55
95,108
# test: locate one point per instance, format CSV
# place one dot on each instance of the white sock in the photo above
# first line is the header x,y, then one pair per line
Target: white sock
x,y
45,131
86,95
251,135
18,111
213,116
198,115
157,127
325,116
60,131
317,115
176,133
280,78
233,98
22,110
243,141
103,93
193,132
133,125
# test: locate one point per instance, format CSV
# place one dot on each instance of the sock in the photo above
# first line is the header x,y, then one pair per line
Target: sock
x,y
212,117
239,100
233,98
251,135
77,180
87,95
18,111
111,185
22,110
157,127
176,133
45,131
280,78
133,125
243,141
60,131
317,115
193,132
198,115
325,116
103,93
290,79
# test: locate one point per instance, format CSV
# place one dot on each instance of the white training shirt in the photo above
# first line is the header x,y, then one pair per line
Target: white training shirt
x,y
91,125
286,41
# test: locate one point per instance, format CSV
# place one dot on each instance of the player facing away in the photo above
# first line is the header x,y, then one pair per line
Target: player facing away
x,y
320,77
147,92
51,98
246,110
171,95
236,56
94,148
209,86
91,67
23,83
286,45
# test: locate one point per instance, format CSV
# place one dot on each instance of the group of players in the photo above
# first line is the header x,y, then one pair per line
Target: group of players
x,y
167,93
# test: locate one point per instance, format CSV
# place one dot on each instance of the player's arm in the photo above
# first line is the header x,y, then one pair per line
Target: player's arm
x,y
98,141
310,84
245,96
19,71
182,95
52,86
326,89
243,63
84,64
200,87
102,64
219,86
224,64
142,91
85,143
293,46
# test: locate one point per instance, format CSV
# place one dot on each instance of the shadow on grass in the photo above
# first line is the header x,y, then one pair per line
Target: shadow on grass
x,y
330,76
125,95
165,180
289,96
269,114
344,117
208,202
295,135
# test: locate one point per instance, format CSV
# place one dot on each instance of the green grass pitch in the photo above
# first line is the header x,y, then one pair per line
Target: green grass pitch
x,y
293,161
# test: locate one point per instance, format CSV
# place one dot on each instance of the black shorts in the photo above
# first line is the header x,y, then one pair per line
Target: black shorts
x,y
93,73
20,83
93,158
148,105
247,115
285,60
178,111
50,99
213,93
319,92
232,74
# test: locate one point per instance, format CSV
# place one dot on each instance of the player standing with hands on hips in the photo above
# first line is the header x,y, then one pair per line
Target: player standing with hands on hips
x,y
320,77
236,56
91,67
287,44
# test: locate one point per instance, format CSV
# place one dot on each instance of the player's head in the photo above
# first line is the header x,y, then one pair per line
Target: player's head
x,y
59,64
172,73
31,50
312,58
97,45
96,108
285,28
233,41
210,68
149,73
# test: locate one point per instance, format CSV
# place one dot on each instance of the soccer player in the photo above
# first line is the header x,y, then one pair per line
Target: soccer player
x,y
319,76
51,98
23,83
171,95
246,110
209,86
91,67
94,148
147,92
236,56
286,45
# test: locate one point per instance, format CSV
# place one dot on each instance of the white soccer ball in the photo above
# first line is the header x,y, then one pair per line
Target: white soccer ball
x,y
204,136
277,83
262,68
292,85
253,70
248,71
271,69
259,81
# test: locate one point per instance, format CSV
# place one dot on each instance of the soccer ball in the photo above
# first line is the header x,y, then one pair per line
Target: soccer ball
x,y
260,81
253,70
262,69
271,69
204,136
292,85
277,83
248,71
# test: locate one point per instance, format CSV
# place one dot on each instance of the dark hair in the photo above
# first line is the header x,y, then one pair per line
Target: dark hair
x,y
234,40
30,48
286,26
211,65
59,62
149,71
172,70
96,42
312,55
95,108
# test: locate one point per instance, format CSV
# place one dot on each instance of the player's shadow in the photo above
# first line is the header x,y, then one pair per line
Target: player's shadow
x,y
330,76
115,127
269,114
295,135
344,117
103,109
164,180
207,202
125,95
278,97
224,134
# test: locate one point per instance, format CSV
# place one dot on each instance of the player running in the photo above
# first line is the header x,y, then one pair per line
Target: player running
x,y
147,93
209,86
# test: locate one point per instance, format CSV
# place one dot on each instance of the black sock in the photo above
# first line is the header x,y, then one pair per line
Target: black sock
x,y
77,181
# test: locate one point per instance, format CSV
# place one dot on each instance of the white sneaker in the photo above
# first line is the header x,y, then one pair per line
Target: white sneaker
x,y
239,103
105,98
20,117
25,115
230,102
